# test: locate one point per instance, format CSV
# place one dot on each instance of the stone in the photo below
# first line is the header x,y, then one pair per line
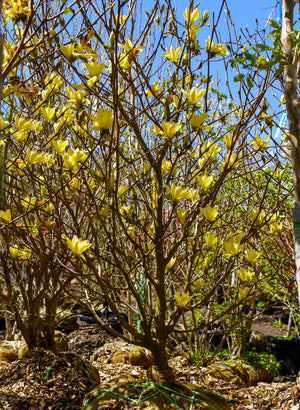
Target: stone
x,y
232,371
121,352
8,351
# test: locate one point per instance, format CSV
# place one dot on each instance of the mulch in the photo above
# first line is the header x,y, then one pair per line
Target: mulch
x,y
42,380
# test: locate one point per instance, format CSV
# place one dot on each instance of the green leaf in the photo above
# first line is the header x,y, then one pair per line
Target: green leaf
x,y
239,77
249,82
68,11
274,24
263,47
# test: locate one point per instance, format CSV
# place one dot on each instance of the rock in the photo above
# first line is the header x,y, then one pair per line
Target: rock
x,y
61,341
8,351
152,396
232,371
121,385
257,340
121,352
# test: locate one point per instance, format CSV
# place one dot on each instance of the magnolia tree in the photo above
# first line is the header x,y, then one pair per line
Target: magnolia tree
x,y
126,167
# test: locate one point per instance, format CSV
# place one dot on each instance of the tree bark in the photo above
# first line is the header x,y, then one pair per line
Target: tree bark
x,y
293,115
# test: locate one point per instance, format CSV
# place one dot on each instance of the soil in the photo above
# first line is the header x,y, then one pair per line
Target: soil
x,y
42,380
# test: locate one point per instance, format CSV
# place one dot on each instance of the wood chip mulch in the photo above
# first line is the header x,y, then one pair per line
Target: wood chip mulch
x,y
60,382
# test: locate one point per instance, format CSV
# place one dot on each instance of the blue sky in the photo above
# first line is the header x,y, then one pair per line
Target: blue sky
x,y
243,12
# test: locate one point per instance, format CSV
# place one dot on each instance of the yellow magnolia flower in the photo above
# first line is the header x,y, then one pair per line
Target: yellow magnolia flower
x,y
257,216
210,150
37,127
231,160
104,119
170,129
122,189
206,262
153,89
155,130
49,159
25,253
151,229
182,299
228,139
245,293
130,48
72,157
171,263
191,16
233,246
120,18
91,82
237,235
130,230
49,207
177,192
275,227
17,165
210,213
78,245
14,251
74,183
123,60
29,202
53,81
205,181
17,9
244,274
124,210
60,146
48,113
166,166
210,239
20,136
202,163
259,143
5,215
3,123
194,194
196,121
78,100
215,49
94,68
182,216
252,256
68,51
146,167
172,54
22,124
57,128
34,157
193,95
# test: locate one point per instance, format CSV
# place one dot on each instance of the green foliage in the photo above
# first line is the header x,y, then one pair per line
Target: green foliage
x,y
262,360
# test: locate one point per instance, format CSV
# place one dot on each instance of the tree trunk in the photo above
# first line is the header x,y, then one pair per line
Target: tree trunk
x,y
160,372
293,115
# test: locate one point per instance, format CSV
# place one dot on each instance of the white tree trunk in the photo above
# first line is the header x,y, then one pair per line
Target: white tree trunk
x,y
293,115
